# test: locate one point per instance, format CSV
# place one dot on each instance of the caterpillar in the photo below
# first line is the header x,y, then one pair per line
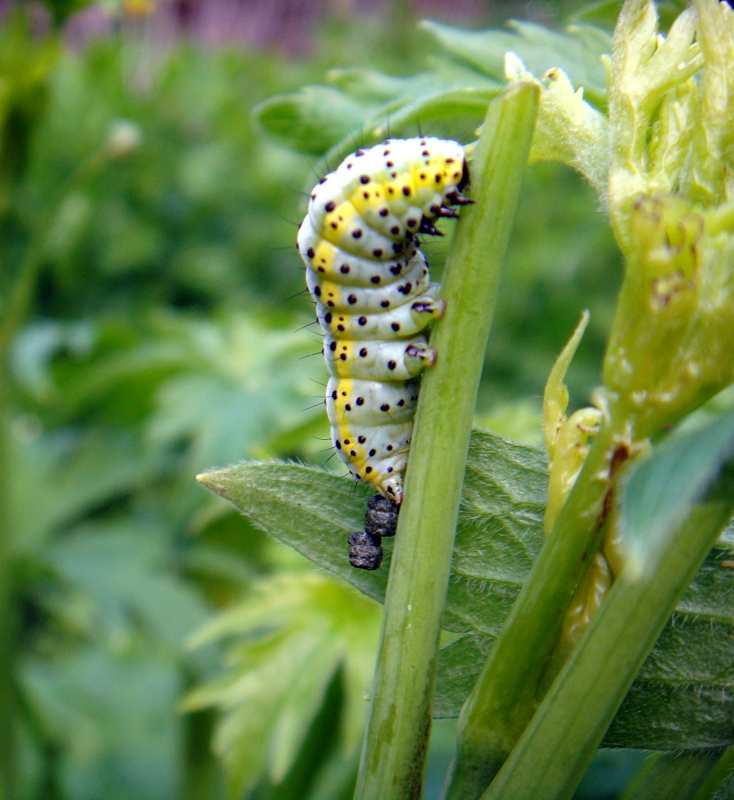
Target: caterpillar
x,y
374,298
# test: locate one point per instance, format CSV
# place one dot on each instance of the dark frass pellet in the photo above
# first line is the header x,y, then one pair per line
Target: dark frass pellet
x,y
365,551
381,518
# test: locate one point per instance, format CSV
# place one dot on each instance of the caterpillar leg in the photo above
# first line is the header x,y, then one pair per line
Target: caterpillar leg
x,y
379,360
405,320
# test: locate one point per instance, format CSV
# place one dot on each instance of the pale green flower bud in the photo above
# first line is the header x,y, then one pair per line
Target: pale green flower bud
x,y
713,140
566,438
650,104
672,342
568,128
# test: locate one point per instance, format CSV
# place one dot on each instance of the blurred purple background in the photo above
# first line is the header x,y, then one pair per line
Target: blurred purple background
x,y
287,26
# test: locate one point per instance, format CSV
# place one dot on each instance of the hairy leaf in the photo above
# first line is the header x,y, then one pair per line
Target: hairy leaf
x,y
687,676
499,529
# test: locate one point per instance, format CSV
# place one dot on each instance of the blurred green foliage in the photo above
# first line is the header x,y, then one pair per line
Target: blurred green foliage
x,y
152,223
154,341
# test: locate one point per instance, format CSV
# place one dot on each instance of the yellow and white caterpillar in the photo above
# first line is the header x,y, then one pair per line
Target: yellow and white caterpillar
x,y
373,295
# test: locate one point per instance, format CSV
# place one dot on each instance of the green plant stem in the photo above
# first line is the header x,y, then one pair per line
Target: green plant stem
x,y
393,758
561,739
669,776
515,676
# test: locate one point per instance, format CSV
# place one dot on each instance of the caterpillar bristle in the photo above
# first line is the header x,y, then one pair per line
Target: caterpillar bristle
x,y
297,294
448,213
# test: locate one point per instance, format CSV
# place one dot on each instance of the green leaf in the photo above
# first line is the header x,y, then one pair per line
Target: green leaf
x,y
37,344
726,791
312,120
499,535
456,108
376,87
121,567
662,490
672,776
231,366
311,510
112,719
285,643
458,667
683,697
57,479
720,783
577,54
600,12
367,105
499,527
606,12
569,724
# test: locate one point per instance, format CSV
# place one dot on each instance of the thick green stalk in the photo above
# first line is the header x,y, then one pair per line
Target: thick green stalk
x,y
560,741
393,758
515,676
672,776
